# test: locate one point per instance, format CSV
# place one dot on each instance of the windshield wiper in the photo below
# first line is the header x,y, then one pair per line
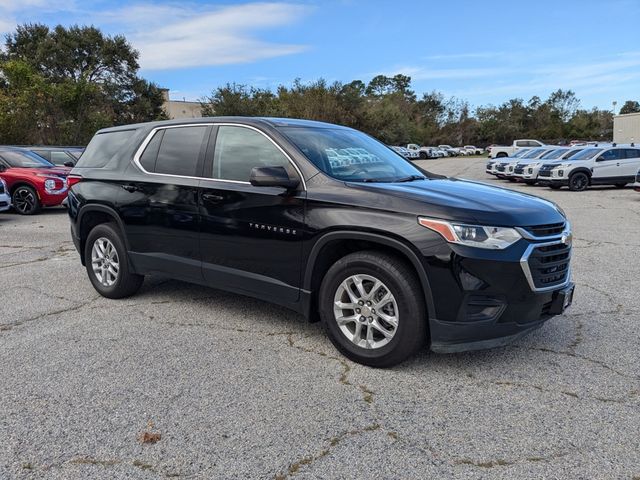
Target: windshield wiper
x,y
411,178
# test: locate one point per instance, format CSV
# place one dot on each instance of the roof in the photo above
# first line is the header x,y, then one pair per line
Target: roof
x,y
253,121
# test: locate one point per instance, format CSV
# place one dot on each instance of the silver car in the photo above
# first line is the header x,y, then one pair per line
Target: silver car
x,y
5,198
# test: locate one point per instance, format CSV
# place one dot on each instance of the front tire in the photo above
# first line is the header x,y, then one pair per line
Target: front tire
x,y
578,182
423,155
372,308
107,263
25,200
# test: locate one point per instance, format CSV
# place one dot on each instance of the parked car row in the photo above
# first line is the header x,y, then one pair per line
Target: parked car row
x,y
575,167
406,153
29,182
441,151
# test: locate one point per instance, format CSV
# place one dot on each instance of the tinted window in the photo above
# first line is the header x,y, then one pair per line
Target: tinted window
x,y
611,155
586,154
24,159
43,153
102,147
553,154
522,144
239,149
632,153
150,154
60,158
180,151
534,153
533,144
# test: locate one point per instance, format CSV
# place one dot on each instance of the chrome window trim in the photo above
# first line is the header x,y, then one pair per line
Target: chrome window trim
x,y
143,145
524,264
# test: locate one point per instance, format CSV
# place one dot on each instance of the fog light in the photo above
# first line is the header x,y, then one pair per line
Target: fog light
x,y
561,173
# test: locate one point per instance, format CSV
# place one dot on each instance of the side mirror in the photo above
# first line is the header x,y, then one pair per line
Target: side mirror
x,y
69,164
272,177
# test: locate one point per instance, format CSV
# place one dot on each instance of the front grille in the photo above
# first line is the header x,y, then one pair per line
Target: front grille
x,y
638,177
546,230
3,204
549,265
519,170
545,171
501,167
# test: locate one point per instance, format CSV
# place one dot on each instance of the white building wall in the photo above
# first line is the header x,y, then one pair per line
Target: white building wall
x,y
626,128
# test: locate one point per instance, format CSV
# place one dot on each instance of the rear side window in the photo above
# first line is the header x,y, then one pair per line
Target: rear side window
x,y
611,155
633,153
150,154
60,158
102,148
179,151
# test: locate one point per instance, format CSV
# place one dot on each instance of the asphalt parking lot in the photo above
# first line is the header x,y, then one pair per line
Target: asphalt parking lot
x,y
238,388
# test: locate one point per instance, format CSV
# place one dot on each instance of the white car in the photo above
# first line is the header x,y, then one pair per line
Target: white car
x,y
527,170
504,169
498,151
5,198
636,185
493,163
451,151
406,153
473,150
617,165
423,152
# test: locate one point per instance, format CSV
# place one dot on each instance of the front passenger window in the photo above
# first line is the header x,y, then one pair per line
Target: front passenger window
x,y
239,149
610,155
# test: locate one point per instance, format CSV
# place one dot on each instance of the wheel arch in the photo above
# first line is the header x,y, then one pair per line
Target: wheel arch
x,y
23,183
93,215
335,245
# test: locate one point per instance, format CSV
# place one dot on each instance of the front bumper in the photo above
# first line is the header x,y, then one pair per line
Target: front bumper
x,y
560,182
5,202
486,299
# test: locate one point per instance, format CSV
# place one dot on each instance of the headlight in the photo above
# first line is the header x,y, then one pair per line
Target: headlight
x,y
480,236
50,184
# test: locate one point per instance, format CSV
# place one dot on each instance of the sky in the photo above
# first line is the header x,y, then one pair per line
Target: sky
x,y
485,52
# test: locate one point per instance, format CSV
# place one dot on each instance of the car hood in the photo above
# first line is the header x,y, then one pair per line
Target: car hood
x,y
55,171
466,201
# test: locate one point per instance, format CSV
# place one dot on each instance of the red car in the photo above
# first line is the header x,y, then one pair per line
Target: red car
x,y
32,181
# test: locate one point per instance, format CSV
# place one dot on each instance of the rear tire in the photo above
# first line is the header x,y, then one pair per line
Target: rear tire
x,y
501,155
578,182
25,200
107,263
387,283
423,155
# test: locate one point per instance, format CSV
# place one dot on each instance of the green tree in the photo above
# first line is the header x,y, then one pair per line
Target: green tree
x,y
630,106
83,80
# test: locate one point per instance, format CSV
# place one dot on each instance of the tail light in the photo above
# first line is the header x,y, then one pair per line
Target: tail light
x,y
72,180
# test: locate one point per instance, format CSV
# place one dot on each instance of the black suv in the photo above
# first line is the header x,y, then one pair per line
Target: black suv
x,y
324,220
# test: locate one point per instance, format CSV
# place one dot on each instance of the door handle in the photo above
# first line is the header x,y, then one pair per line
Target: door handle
x,y
131,188
212,197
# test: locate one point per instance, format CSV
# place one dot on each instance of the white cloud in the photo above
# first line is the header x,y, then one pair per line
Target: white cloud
x,y
7,25
171,37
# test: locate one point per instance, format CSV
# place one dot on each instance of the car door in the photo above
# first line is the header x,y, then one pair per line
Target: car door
x,y
607,166
251,237
630,164
159,202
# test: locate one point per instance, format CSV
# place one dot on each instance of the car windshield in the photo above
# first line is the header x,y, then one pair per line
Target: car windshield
x,y
20,159
520,153
350,155
586,154
571,153
533,153
553,154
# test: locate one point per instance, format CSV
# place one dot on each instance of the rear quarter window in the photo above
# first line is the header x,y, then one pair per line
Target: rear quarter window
x,y
102,148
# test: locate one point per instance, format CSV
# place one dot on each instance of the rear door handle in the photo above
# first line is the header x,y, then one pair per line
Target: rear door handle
x,y
212,197
131,188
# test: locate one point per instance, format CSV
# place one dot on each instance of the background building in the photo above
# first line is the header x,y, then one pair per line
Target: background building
x,y
180,108
626,128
